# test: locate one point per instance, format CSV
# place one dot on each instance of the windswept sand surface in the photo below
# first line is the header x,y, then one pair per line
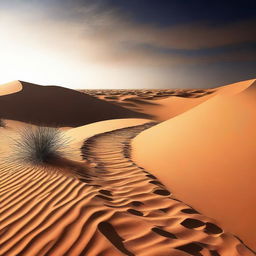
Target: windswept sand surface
x,y
126,186
118,209
207,157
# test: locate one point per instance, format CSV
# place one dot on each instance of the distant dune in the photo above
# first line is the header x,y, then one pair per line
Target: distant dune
x,y
206,156
164,104
160,105
10,88
57,106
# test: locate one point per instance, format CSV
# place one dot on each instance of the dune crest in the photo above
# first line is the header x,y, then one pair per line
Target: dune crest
x,y
10,88
164,104
207,157
236,88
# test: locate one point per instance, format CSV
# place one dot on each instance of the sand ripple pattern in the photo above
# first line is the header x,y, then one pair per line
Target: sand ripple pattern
x,y
118,209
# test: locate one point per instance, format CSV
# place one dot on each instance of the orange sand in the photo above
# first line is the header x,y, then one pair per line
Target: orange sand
x,y
10,88
206,156
117,209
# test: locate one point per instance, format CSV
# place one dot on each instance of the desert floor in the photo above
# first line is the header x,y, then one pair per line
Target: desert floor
x,y
141,172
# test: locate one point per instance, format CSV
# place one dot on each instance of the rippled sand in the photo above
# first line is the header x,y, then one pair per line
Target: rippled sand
x,y
111,202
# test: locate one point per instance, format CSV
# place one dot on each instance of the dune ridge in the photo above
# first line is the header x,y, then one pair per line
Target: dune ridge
x,y
164,104
206,155
121,210
10,88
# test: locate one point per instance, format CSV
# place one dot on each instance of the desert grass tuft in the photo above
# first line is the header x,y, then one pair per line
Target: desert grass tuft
x,y
40,146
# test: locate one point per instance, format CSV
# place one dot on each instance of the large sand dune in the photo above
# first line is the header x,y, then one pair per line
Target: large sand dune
x,y
58,106
96,201
206,156
118,209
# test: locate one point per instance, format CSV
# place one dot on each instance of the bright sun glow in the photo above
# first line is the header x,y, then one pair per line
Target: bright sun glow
x,y
24,60
56,54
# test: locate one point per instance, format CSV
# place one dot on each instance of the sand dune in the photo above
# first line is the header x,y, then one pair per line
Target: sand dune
x,y
121,209
58,106
10,88
32,104
207,157
236,88
162,105
97,200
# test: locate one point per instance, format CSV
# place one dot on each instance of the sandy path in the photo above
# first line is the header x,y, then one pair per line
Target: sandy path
x,y
118,209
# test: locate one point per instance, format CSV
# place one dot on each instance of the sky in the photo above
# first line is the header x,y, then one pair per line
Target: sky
x,y
115,44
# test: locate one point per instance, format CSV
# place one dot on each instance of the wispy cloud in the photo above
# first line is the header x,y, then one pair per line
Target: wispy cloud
x,y
84,40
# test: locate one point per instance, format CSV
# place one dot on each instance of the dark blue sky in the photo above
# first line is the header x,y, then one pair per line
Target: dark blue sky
x,y
165,12
169,12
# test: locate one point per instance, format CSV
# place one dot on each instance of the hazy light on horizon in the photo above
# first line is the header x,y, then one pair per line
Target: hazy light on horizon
x,y
87,47
57,53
